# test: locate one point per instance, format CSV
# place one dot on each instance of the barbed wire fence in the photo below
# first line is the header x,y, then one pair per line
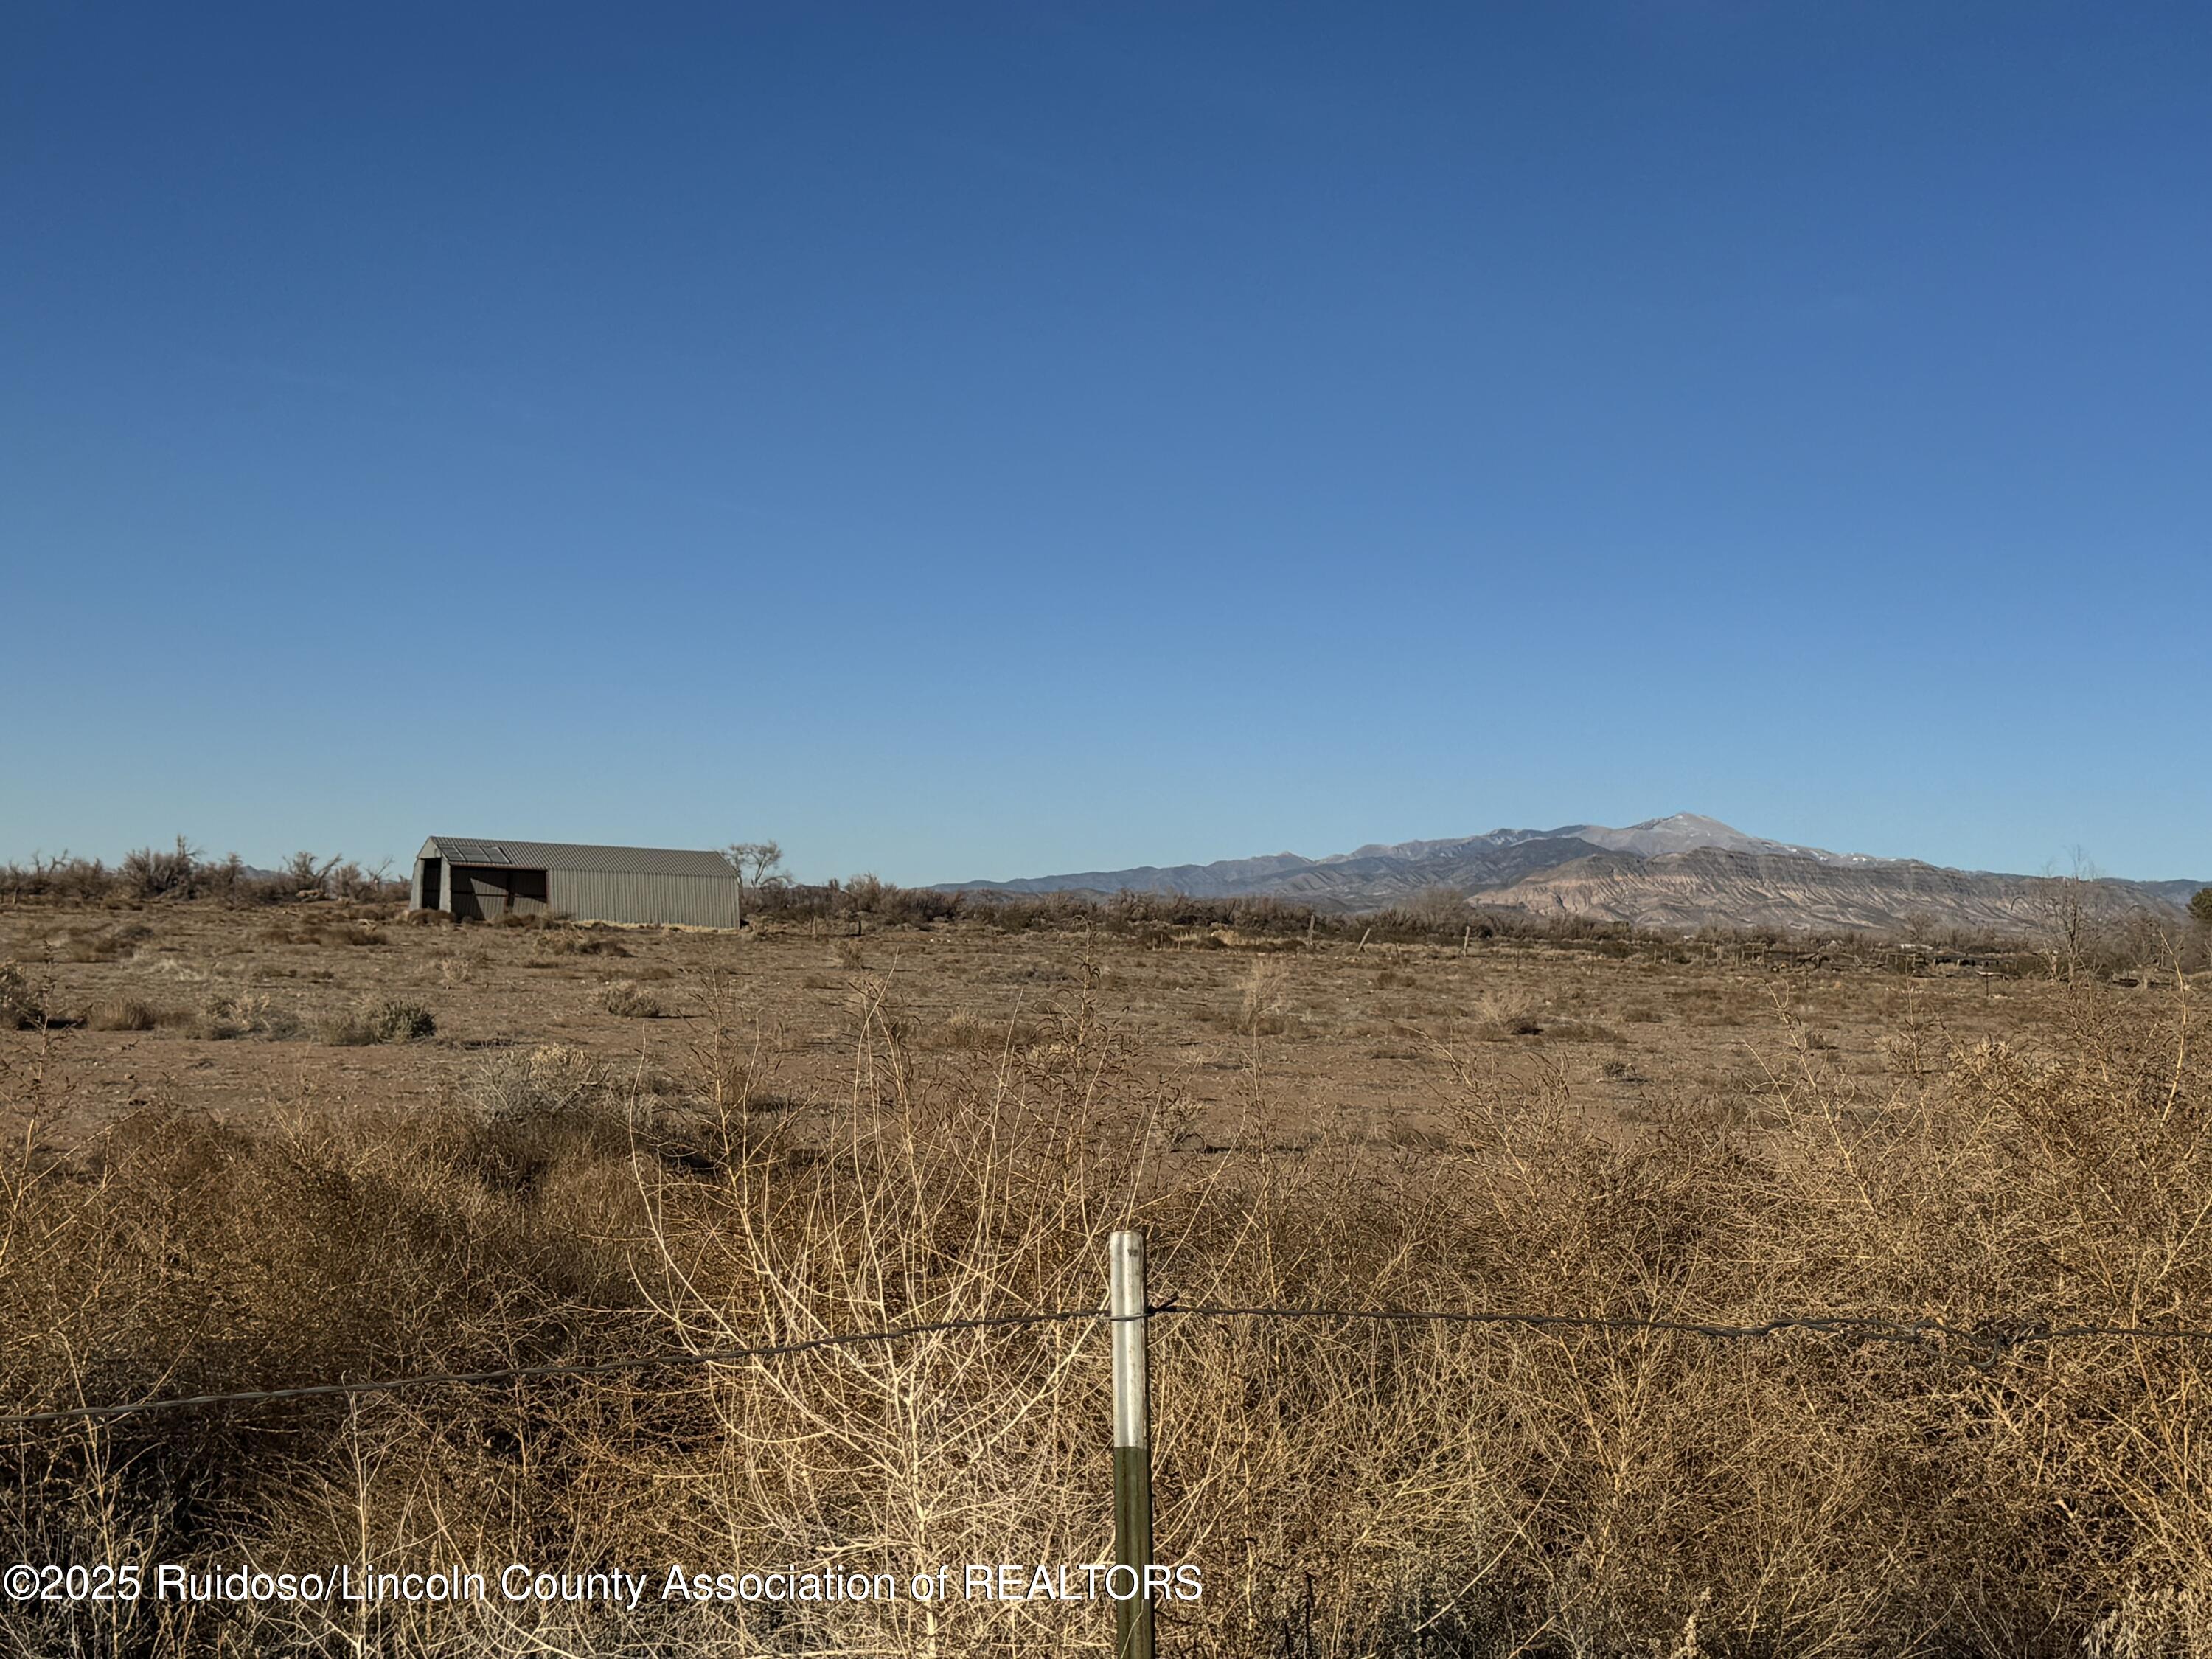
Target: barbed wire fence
x,y
1993,1338
1129,1314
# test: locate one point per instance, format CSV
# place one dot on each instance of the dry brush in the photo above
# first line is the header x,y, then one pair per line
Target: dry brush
x,y
1348,1487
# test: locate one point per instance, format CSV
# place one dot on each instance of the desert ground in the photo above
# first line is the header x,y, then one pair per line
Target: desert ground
x,y
1337,1039
309,1143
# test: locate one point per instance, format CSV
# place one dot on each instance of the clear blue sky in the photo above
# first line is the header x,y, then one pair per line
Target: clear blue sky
x,y
967,442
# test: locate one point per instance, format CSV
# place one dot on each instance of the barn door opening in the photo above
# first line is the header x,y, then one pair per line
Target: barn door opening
x,y
479,895
483,893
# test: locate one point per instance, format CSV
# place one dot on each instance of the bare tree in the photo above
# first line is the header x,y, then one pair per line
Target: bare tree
x,y
350,881
2074,906
150,874
1439,907
758,862
308,880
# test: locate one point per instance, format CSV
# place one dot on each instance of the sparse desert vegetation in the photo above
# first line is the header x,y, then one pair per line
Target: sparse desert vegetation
x,y
501,1163
1548,663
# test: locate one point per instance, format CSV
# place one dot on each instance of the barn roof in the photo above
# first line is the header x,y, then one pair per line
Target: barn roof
x,y
568,855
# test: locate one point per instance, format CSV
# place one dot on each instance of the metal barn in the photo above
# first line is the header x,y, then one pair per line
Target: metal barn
x,y
482,880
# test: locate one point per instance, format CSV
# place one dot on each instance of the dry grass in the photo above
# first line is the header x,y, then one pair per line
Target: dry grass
x,y
384,1019
22,1002
1348,1489
629,999
311,931
99,943
569,943
125,1014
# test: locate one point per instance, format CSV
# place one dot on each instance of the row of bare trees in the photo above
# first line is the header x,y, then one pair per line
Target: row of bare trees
x,y
184,872
2091,927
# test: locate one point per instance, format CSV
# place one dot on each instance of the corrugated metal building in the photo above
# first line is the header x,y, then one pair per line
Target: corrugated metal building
x,y
482,880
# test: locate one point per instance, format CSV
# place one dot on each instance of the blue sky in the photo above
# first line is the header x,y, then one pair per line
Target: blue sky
x,y
965,441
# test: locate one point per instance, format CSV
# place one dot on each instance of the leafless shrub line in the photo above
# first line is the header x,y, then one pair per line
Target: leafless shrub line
x,y
1996,1336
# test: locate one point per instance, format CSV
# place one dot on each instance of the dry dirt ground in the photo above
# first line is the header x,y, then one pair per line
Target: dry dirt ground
x,y
1334,1040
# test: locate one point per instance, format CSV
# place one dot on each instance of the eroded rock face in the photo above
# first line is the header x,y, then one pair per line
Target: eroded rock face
x,y
1765,890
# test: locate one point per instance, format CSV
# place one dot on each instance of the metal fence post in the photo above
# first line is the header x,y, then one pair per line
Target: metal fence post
x,y
1133,1442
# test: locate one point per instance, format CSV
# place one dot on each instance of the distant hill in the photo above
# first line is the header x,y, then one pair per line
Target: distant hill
x,y
1684,871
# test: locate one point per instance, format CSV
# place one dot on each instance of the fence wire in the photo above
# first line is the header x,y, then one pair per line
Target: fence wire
x,y
1993,1338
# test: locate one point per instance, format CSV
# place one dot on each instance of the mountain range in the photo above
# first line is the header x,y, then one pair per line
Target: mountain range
x,y
1684,871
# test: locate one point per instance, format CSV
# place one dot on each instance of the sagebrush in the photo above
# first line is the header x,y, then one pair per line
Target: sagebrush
x,y
1348,1488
